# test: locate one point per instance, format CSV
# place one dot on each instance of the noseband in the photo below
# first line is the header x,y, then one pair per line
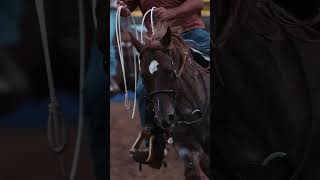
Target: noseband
x,y
164,91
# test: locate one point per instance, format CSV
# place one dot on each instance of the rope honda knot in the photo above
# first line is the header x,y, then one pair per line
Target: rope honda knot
x,y
56,128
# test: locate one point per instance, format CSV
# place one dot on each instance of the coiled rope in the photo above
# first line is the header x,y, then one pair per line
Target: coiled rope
x,y
56,124
152,22
118,34
135,52
82,38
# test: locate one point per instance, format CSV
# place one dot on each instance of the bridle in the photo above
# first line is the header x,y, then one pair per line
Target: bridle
x,y
173,76
164,91
169,92
172,93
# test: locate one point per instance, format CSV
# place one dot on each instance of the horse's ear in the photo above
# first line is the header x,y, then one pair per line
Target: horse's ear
x,y
166,39
136,43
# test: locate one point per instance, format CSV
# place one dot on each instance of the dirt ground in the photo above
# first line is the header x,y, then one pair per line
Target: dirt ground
x,y
123,132
24,154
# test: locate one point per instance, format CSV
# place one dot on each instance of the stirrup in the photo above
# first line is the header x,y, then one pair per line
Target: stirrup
x,y
144,156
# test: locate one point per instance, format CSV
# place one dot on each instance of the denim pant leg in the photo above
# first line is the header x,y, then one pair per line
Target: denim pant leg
x,y
201,37
95,105
113,60
141,101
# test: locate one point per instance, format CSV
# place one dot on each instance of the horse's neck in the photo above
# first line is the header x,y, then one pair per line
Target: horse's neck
x,y
194,86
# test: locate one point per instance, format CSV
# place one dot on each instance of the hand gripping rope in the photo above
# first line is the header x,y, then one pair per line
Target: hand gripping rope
x,y
118,35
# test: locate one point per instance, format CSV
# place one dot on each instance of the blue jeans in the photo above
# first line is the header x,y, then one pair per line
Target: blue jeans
x,y
202,38
141,101
113,60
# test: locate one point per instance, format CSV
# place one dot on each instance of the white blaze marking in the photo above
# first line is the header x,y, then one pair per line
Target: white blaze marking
x,y
153,67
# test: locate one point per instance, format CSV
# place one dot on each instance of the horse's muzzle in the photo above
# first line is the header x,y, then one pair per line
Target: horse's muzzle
x,y
166,122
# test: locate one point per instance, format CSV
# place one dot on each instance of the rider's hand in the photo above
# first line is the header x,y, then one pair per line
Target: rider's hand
x,y
164,14
124,11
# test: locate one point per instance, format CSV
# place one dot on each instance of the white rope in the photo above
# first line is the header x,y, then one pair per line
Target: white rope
x,y
95,21
135,53
56,128
152,23
118,34
142,25
76,154
56,125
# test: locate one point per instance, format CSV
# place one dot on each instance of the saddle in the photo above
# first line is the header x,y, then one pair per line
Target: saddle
x,y
198,53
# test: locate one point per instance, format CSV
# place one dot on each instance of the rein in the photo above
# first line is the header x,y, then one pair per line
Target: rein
x,y
161,91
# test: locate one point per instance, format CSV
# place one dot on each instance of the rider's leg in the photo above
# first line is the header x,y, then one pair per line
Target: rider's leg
x,y
141,102
142,106
113,61
201,37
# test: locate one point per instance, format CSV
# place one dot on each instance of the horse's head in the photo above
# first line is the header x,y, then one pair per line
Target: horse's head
x,y
159,65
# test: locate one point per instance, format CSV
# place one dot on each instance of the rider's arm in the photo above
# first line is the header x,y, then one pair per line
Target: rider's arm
x,y
189,7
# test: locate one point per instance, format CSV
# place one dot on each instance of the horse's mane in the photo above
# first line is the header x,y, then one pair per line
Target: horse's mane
x,y
153,41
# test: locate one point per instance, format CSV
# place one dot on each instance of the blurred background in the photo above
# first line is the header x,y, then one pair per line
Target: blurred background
x,y
124,130
24,96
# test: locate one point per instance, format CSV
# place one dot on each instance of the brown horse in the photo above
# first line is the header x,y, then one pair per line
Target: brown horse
x,y
178,89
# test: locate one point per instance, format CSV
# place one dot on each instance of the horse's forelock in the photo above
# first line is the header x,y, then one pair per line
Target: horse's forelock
x,y
154,39
178,46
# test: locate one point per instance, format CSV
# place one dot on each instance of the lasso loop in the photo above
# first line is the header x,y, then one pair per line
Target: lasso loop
x,y
152,22
118,34
135,53
126,102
